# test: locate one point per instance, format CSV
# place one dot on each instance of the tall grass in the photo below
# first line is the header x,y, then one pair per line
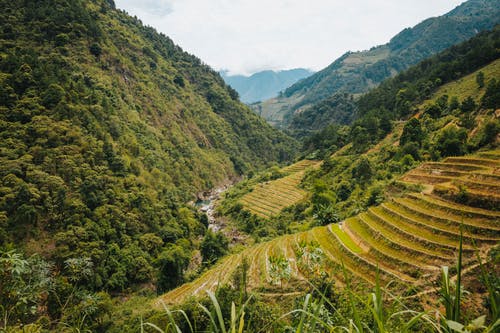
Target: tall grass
x,y
217,322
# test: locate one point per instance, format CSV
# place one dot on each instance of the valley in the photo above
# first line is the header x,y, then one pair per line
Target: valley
x,y
138,193
406,239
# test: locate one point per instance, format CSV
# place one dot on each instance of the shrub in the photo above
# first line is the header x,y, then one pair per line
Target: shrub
x,y
95,49
451,141
213,246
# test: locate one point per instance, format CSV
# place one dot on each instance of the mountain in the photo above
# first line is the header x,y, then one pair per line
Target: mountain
x,y
264,85
107,130
356,72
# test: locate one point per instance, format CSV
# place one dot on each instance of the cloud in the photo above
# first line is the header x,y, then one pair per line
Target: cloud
x,y
158,8
245,36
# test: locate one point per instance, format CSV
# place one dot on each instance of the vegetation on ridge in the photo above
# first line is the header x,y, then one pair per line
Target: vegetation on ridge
x,y
107,130
326,94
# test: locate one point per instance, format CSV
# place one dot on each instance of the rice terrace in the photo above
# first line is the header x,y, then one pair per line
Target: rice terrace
x,y
407,238
270,198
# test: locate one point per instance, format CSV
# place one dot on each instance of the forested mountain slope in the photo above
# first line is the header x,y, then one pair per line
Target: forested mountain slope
x,y
357,72
264,85
107,129
451,116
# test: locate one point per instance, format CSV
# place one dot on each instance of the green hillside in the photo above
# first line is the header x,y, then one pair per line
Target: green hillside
x,y
408,238
390,213
111,136
361,162
107,130
357,72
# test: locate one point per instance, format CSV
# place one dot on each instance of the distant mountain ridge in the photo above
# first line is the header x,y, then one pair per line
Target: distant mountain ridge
x,y
265,84
357,72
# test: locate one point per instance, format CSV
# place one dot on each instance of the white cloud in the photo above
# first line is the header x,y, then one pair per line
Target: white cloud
x,y
151,7
245,36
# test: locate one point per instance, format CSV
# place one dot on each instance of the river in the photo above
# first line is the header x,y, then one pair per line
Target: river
x,y
207,201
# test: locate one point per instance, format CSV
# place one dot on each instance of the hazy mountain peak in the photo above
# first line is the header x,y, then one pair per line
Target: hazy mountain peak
x,y
264,84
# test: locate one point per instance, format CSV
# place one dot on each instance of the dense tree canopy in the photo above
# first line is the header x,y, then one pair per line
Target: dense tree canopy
x,y
107,130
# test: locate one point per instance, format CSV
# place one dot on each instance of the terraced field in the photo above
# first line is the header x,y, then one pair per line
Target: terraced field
x,y
407,239
268,199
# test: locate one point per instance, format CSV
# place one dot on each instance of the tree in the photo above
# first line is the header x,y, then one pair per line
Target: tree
x,y
327,215
95,49
213,246
23,284
451,141
412,132
490,132
53,95
454,103
468,105
279,269
491,98
310,258
433,110
362,171
410,148
343,190
172,262
62,39
359,138
442,102
480,79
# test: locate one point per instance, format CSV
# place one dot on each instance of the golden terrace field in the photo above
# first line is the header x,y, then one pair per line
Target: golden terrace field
x,y
268,199
406,238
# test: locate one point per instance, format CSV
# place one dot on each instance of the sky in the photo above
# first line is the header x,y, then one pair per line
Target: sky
x,y
247,36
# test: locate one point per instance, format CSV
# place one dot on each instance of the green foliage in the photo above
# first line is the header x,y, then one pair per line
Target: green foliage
x,y
279,269
217,323
172,262
490,133
326,141
53,95
362,171
322,198
327,214
213,247
338,109
468,105
24,282
452,141
491,97
412,133
310,258
95,49
32,287
480,79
